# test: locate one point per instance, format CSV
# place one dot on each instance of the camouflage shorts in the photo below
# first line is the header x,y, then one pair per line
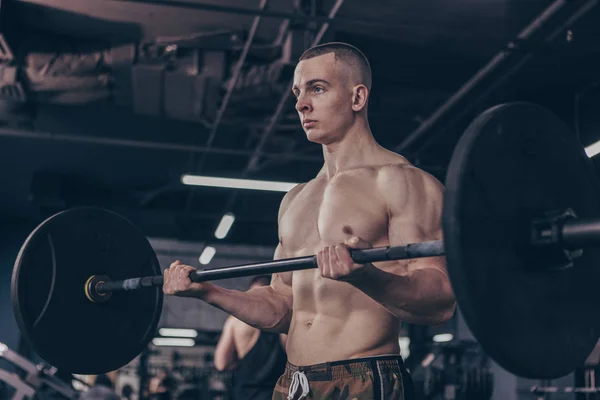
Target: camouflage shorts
x,y
370,378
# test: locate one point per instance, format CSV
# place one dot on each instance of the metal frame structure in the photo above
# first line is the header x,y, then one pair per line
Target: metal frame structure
x,y
499,60
552,16
296,17
144,144
275,118
225,102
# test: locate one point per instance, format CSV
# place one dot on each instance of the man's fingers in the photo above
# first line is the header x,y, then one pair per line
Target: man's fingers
x,y
186,271
326,266
334,262
320,261
323,268
357,243
333,257
343,255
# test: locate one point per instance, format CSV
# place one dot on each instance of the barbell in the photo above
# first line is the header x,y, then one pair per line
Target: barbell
x,y
521,219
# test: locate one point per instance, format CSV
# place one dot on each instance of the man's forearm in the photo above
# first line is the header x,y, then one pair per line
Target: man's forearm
x,y
423,296
261,308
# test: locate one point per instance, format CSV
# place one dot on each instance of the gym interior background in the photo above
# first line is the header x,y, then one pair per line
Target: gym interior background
x,y
108,103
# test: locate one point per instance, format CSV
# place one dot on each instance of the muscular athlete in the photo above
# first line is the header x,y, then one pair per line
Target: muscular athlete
x,y
342,319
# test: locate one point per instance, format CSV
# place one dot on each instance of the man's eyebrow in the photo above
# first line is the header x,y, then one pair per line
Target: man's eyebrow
x,y
313,82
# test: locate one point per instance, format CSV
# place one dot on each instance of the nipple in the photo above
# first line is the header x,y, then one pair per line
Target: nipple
x,y
347,230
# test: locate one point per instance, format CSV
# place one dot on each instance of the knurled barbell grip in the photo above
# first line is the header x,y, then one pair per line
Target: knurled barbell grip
x,y
389,253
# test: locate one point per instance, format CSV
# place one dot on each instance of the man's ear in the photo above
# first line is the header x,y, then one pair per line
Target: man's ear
x,y
360,95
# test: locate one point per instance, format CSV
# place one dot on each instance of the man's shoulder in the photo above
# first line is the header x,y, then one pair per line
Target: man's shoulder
x,y
396,173
295,191
289,196
397,180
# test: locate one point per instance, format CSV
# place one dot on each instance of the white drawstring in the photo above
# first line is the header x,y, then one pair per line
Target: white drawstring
x,y
299,378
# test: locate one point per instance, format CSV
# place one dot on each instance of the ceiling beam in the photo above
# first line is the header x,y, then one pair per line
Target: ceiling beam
x,y
143,144
554,16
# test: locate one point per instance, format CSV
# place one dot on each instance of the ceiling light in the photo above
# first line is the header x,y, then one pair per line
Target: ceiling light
x,y
174,332
593,149
179,342
443,337
196,180
207,255
224,225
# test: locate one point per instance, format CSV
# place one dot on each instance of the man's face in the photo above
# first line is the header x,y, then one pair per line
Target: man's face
x,y
323,98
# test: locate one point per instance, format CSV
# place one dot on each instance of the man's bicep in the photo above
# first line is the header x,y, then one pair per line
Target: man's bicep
x,y
281,282
406,231
416,216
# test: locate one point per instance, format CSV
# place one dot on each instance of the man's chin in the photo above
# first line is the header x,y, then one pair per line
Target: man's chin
x,y
314,136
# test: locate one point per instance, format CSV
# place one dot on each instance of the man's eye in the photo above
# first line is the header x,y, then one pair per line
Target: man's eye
x,y
318,89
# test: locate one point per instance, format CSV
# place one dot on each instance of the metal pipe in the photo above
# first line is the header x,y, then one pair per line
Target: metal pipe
x,y
275,118
268,14
225,102
22,134
517,66
284,98
491,66
233,81
404,252
581,232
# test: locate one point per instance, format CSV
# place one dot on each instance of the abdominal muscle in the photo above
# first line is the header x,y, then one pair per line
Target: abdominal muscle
x,y
334,321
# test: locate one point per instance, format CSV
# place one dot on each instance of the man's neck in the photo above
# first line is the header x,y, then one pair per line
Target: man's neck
x,y
352,151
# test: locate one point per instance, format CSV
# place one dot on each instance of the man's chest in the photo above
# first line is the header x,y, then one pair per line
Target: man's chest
x,y
329,214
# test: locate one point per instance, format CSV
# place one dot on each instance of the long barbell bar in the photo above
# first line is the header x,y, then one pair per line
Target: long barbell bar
x,y
567,231
409,251
521,235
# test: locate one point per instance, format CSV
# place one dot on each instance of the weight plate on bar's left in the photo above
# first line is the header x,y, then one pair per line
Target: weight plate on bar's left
x,y
517,162
61,324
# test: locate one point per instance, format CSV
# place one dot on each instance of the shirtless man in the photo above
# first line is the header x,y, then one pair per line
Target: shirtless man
x,y
343,318
255,358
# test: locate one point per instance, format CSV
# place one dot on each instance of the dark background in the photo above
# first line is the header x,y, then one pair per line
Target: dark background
x,y
107,103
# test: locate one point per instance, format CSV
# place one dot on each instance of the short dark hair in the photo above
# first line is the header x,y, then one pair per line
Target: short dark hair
x,y
263,280
346,53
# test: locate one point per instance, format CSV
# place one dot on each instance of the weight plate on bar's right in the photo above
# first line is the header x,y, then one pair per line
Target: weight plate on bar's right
x,y
517,162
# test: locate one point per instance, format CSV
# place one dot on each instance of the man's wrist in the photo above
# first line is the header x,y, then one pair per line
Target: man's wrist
x,y
364,275
208,293
375,281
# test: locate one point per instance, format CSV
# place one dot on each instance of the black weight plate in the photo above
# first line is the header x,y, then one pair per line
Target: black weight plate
x,y
516,162
61,324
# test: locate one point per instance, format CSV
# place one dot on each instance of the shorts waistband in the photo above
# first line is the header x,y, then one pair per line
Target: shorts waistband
x,y
347,368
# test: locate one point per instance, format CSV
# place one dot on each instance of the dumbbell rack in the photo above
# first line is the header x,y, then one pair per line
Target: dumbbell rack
x,y
37,379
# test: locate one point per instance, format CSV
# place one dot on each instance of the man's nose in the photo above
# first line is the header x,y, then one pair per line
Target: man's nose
x,y
302,104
